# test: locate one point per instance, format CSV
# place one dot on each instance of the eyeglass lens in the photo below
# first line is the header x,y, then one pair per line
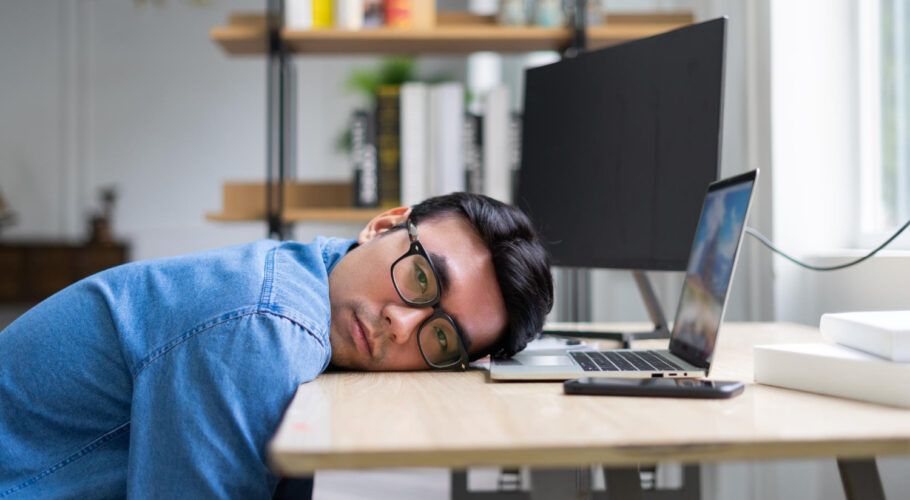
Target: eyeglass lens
x,y
439,343
415,280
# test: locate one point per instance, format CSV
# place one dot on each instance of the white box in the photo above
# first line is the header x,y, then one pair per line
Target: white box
x,y
883,333
834,370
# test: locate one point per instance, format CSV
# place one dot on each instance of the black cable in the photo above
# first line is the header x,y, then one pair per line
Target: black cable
x,y
760,237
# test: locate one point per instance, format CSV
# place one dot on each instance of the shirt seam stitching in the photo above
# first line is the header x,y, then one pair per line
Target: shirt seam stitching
x,y
161,351
97,443
265,296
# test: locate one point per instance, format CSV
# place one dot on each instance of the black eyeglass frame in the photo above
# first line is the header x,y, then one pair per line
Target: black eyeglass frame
x,y
415,248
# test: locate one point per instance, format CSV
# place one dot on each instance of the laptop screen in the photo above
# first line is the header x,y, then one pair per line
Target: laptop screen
x,y
710,269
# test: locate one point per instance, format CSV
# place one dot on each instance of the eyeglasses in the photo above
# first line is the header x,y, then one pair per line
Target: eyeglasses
x,y
415,279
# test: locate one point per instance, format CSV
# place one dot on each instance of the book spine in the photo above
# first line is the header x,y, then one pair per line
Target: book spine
x,y
389,141
414,143
447,127
298,14
373,14
515,122
322,14
398,13
473,160
349,14
496,164
423,14
366,167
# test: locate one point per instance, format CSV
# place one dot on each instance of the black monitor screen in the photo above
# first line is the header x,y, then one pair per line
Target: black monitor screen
x,y
619,146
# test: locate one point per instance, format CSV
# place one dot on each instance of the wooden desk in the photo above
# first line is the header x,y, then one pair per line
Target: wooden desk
x,y
458,420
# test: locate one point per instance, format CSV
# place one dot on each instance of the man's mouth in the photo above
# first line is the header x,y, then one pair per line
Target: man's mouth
x,y
361,337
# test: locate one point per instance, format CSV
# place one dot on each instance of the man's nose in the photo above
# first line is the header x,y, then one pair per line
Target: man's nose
x,y
403,321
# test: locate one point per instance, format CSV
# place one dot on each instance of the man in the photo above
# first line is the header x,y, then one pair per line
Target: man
x,y
166,378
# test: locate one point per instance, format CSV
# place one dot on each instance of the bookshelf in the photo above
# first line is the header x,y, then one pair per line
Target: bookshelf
x,y
303,202
456,33
328,214
247,34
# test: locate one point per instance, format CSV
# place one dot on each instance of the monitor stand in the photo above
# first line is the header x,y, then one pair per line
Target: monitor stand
x,y
660,331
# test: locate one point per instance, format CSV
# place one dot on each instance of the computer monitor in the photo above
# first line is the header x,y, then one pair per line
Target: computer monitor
x,y
619,145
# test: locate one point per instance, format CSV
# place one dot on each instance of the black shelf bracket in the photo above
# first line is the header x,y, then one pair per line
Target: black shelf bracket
x,y
280,110
579,30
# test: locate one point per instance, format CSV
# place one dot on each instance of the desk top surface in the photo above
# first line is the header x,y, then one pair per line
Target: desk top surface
x,y
423,419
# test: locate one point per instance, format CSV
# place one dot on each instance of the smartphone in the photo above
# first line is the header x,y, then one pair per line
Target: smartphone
x,y
654,387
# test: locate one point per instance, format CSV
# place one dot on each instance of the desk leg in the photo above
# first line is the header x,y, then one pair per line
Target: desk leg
x,y
622,483
459,483
860,478
561,484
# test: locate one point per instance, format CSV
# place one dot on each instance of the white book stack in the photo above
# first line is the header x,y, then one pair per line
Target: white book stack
x,y
298,14
415,143
869,362
497,168
446,172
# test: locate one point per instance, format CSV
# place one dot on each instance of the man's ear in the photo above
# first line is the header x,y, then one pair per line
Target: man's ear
x,y
383,222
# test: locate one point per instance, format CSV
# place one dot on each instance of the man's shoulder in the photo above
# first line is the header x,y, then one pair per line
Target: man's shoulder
x,y
299,289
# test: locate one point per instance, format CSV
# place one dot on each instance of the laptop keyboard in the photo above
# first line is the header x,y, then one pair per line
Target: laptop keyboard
x,y
634,361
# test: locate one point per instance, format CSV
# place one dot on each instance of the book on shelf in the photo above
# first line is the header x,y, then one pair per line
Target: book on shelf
x,y
423,14
410,14
515,121
835,370
473,153
349,14
366,161
373,14
884,333
398,13
388,139
497,162
322,14
298,14
415,142
446,129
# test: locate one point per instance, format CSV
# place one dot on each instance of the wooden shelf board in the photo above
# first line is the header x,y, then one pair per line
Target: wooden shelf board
x,y
246,36
302,215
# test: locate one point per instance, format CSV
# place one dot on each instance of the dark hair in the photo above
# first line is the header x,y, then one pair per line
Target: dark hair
x,y
521,264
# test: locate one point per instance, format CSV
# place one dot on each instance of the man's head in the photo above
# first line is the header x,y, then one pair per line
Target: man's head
x,y
496,283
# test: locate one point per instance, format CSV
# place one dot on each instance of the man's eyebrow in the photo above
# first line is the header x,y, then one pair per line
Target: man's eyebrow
x,y
442,270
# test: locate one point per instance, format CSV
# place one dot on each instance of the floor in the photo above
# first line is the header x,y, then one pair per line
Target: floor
x,y
423,484
400,484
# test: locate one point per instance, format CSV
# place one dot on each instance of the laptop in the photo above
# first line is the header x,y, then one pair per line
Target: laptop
x,y
706,287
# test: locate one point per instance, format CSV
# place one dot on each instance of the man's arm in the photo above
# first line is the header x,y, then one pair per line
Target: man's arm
x,y
205,406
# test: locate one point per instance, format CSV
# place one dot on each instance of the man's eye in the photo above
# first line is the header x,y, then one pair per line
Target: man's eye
x,y
421,278
443,340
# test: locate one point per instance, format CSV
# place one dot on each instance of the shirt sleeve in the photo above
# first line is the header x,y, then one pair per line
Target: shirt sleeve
x,y
205,406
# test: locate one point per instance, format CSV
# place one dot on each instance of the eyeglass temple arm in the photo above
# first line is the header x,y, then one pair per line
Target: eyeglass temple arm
x,y
412,231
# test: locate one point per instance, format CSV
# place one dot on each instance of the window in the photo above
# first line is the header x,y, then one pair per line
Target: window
x,y
884,86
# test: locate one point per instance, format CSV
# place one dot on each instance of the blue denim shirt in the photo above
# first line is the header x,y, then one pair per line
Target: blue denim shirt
x,y
164,378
